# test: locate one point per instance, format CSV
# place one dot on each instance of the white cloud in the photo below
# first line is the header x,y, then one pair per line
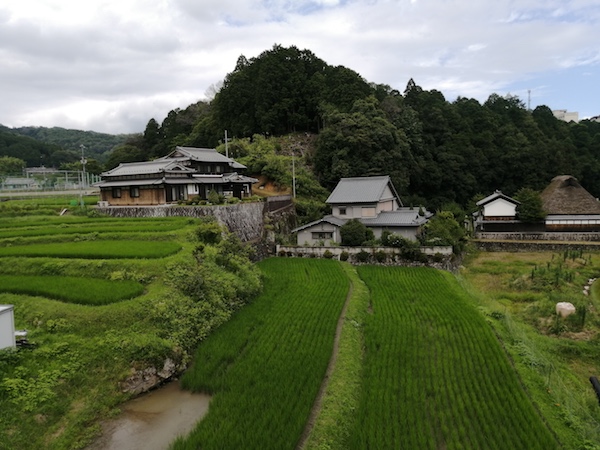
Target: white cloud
x,y
112,65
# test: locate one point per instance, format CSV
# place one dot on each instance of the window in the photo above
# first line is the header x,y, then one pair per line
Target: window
x,y
318,235
342,210
116,193
134,191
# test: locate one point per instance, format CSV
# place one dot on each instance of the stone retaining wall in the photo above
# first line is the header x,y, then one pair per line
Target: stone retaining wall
x,y
539,236
541,246
243,219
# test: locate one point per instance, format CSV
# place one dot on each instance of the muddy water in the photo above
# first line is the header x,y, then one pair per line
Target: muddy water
x,y
153,420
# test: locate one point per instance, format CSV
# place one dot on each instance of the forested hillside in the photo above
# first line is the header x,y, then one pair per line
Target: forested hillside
x,y
57,147
437,151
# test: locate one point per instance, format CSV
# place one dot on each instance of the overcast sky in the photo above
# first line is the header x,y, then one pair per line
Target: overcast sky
x,y
111,65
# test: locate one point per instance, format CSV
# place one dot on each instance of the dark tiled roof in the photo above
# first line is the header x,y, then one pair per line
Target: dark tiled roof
x,y
400,217
327,219
494,196
361,190
209,155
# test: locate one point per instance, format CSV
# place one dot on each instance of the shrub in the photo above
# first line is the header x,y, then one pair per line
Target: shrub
x,y
355,233
327,254
344,256
380,256
362,256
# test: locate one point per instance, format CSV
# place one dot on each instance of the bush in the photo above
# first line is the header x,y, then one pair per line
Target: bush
x,y
381,256
327,254
362,256
344,256
354,233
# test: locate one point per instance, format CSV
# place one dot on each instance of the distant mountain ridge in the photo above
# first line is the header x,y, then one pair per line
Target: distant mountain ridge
x,y
55,146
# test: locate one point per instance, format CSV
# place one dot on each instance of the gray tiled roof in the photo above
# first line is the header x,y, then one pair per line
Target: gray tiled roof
x,y
360,190
400,217
146,167
494,196
209,155
329,219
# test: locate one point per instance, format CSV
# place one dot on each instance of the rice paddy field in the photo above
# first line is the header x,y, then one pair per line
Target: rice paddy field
x,y
432,374
421,359
101,298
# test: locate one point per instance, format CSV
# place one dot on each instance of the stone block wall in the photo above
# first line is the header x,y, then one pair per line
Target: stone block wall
x,y
243,219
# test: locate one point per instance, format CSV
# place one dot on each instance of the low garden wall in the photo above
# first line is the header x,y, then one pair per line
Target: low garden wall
x,y
440,257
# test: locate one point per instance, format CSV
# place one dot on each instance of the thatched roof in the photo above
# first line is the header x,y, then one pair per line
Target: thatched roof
x,y
564,195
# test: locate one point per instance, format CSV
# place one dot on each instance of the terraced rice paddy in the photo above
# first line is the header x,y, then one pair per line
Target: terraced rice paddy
x,y
434,375
102,249
265,366
84,291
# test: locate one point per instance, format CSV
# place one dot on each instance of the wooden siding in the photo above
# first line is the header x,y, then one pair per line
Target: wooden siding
x,y
148,196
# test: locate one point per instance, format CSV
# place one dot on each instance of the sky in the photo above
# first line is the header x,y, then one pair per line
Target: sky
x,y
112,65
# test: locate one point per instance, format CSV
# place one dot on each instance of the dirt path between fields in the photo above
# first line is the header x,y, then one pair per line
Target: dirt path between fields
x,y
316,409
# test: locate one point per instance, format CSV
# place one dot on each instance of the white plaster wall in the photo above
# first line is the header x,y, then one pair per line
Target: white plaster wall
x,y
304,237
500,207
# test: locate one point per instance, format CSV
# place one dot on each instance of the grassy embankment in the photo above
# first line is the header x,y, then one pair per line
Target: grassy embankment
x,y
517,293
102,298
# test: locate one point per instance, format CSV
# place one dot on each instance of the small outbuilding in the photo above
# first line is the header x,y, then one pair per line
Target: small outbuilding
x,y
7,327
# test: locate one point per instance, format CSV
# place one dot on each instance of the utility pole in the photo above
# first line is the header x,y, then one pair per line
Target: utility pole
x,y
83,183
226,145
294,174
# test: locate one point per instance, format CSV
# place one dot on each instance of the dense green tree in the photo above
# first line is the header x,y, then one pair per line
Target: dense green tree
x,y
444,229
362,142
531,208
354,233
10,165
282,90
125,153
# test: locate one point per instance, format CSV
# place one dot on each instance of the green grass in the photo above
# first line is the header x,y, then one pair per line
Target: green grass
x,y
97,249
342,397
265,366
84,290
434,374
555,367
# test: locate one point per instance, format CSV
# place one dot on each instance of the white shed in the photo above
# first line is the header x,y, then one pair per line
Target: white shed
x,y
7,326
498,207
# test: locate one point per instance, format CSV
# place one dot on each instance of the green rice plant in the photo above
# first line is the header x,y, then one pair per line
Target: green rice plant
x,y
265,366
79,225
96,249
84,291
434,374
